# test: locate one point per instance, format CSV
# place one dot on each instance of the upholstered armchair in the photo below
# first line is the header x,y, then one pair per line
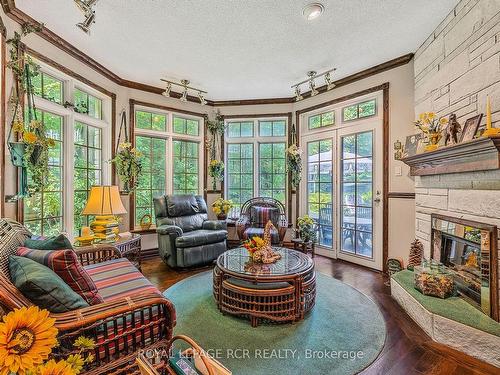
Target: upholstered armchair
x,y
186,237
254,215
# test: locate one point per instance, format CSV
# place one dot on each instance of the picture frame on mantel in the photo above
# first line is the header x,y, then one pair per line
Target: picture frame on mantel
x,y
470,128
412,144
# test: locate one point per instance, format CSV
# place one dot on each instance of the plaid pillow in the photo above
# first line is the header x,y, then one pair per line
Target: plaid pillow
x,y
261,215
66,265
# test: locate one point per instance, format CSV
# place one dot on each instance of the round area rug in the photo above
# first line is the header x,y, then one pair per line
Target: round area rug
x,y
342,334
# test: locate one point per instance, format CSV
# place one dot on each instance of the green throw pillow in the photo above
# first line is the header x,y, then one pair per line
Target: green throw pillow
x,y
51,243
42,286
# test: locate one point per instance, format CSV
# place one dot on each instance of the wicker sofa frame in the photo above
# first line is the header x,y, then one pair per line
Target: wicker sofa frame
x,y
244,222
122,327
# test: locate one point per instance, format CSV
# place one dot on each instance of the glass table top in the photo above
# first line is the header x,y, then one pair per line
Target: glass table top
x,y
238,261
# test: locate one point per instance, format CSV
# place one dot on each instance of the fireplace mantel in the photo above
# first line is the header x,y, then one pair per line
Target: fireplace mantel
x,y
480,154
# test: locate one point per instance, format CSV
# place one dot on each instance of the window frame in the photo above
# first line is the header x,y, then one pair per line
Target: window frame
x,y
70,117
321,114
169,136
256,140
358,104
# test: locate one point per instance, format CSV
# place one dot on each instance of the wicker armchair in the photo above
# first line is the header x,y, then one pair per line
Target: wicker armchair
x,y
120,327
246,221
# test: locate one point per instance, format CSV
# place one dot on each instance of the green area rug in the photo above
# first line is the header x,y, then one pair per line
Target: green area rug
x,y
343,333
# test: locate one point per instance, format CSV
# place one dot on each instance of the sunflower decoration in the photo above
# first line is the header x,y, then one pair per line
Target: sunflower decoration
x,y
27,336
56,368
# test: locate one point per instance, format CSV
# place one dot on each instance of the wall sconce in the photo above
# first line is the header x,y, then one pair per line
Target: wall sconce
x,y
398,150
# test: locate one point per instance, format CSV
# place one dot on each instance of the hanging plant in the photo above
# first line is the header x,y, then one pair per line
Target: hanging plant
x,y
127,161
216,167
294,160
31,150
216,171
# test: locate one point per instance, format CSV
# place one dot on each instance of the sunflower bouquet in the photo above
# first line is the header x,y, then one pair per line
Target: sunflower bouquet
x,y
216,171
128,163
221,207
432,127
27,338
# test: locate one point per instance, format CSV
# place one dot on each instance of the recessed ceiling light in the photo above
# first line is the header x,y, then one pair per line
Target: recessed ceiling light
x,y
313,11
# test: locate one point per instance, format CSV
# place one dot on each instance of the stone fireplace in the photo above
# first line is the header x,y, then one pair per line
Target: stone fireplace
x,y
468,249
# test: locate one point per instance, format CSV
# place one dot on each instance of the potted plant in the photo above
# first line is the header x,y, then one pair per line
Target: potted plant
x,y
306,228
216,171
294,164
128,165
221,208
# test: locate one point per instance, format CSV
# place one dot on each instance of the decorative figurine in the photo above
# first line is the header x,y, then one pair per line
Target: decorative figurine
x,y
452,130
416,254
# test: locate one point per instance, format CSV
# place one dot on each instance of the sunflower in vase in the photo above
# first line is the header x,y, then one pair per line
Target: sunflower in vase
x,y
432,127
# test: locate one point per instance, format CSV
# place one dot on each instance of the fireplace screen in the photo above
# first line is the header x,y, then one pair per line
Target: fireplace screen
x,y
467,252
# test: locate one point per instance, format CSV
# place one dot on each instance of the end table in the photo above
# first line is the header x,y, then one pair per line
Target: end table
x,y
129,247
304,247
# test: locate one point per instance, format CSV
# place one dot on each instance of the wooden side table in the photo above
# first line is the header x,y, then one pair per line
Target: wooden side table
x,y
304,247
129,248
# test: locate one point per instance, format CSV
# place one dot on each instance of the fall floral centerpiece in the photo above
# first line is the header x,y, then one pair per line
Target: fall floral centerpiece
x,y
432,128
128,165
221,207
260,249
27,337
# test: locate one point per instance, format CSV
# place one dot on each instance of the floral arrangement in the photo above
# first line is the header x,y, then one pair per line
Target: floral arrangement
x,y
260,249
33,151
306,227
432,127
294,164
221,207
216,171
27,337
128,165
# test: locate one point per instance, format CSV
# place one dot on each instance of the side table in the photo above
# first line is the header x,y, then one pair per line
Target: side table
x,y
129,247
304,247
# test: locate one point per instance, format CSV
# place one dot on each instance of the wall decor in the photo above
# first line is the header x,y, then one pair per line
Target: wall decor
x,y
470,128
398,150
412,144
490,130
432,128
452,130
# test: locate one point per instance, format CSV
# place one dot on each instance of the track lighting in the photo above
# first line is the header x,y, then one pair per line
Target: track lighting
x,y
168,88
86,8
186,88
298,97
311,81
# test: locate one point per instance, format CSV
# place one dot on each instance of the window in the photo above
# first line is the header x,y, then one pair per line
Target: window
x,y
153,177
272,128
87,168
87,104
272,170
43,211
172,160
77,161
150,121
240,129
48,87
185,177
186,126
321,120
240,172
359,110
256,165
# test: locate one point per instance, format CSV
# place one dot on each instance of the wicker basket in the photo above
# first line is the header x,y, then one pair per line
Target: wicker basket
x,y
146,222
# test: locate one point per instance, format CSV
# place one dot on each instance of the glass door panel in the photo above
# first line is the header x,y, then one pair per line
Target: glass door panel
x,y
356,184
320,189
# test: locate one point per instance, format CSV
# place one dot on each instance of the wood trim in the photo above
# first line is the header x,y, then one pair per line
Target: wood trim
x,y
166,108
289,174
205,158
257,115
131,130
297,190
20,17
3,118
400,195
3,29
385,177
385,155
113,138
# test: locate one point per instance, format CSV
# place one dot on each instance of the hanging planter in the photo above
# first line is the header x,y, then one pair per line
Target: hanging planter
x,y
127,160
216,167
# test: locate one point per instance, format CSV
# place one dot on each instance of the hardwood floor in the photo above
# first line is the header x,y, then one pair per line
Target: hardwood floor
x,y
407,350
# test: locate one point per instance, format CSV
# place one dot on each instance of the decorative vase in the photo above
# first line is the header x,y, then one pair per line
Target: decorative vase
x,y
17,153
434,139
222,217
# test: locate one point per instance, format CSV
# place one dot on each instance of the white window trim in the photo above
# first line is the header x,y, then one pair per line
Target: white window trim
x,y
69,118
255,140
170,137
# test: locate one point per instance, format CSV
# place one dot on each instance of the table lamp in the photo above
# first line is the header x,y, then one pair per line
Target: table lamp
x,y
104,202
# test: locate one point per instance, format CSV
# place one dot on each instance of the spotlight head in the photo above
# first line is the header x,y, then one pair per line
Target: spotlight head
x,y
328,79
85,25
168,88
298,97
312,86
202,98
184,96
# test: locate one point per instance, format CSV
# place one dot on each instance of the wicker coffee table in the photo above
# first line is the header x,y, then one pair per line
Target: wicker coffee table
x,y
280,292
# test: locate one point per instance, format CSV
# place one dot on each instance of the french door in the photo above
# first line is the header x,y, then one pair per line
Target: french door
x,y
343,192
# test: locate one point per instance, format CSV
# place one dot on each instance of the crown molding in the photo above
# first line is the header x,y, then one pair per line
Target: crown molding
x,y
10,9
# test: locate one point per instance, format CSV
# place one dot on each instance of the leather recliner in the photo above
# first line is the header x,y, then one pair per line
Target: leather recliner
x,y
186,237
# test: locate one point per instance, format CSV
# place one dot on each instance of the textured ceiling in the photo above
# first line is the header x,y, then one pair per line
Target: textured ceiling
x,y
241,49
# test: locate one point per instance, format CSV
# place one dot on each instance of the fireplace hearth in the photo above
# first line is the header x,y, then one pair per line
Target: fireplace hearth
x,y
468,250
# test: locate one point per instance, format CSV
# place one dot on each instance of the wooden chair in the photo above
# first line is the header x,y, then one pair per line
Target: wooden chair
x,y
120,327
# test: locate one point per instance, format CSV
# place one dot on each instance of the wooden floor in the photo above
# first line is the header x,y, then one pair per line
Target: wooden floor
x,y
407,350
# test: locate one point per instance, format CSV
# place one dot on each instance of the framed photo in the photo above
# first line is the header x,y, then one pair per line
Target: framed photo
x,y
470,128
412,144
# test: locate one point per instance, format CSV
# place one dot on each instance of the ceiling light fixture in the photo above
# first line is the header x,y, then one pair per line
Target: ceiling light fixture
x,y
313,11
185,86
85,7
312,76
